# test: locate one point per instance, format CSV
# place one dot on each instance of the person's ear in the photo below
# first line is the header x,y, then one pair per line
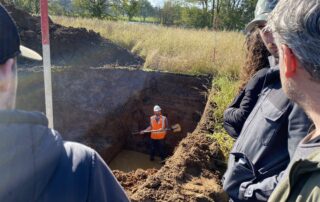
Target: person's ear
x,y
6,76
290,61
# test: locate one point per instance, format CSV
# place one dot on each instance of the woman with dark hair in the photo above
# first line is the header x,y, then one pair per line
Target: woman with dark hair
x,y
256,57
252,81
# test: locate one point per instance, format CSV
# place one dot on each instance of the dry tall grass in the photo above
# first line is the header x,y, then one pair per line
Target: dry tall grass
x,y
172,49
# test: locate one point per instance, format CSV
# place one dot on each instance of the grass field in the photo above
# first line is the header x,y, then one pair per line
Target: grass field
x,y
172,49
183,51
140,19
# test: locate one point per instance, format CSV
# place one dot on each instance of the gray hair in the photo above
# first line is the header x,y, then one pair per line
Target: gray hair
x,y
296,23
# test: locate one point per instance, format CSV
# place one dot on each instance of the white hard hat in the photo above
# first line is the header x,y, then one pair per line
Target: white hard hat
x,y
156,108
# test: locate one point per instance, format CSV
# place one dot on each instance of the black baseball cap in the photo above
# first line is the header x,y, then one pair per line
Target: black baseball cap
x,y
10,41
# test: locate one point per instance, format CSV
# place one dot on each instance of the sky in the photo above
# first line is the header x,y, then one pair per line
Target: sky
x,y
157,2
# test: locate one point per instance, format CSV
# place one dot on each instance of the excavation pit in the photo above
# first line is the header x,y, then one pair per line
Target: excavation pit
x,y
128,161
101,107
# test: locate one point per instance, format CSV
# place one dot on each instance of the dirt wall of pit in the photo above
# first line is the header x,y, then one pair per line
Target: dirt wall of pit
x,y
102,107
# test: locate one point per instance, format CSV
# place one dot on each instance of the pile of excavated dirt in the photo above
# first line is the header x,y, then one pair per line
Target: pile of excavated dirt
x,y
193,173
132,180
71,46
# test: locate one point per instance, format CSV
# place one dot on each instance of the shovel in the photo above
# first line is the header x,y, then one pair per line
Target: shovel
x,y
174,128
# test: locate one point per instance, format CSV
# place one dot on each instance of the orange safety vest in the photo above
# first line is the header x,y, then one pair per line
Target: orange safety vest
x,y
157,125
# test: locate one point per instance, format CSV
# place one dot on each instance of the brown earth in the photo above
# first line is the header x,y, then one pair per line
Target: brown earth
x,y
193,173
132,180
70,46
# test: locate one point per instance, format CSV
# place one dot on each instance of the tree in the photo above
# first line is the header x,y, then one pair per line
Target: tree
x,y
206,16
91,8
60,7
235,14
145,9
131,8
31,6
223,14
170,13
195,17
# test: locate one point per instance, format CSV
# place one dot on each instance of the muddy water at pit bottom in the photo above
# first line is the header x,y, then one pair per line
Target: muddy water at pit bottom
x,y
128,161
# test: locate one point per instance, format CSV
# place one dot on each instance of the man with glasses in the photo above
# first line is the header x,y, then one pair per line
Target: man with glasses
x,y
270,134
295,24
35,163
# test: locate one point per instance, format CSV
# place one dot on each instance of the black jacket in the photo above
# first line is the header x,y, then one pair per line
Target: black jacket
x,y
238,111
267,140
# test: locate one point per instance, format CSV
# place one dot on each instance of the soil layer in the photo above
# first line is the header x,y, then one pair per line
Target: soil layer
x,y
102,107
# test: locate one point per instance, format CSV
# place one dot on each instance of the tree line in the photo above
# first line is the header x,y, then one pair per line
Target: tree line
x,y
216,14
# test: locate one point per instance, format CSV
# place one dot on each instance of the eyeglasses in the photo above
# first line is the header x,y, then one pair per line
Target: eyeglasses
x,y
263,28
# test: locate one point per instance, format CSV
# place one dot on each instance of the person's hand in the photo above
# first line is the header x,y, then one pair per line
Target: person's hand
x,y
142,132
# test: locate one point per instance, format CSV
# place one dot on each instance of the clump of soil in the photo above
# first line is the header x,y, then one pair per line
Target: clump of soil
x,y
132,180
71,46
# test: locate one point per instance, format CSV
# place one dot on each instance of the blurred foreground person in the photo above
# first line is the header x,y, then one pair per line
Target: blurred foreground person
x,y
35,163
266,124
296,27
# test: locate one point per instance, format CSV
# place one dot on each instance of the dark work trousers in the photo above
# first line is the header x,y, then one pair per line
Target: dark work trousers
x,y
157,147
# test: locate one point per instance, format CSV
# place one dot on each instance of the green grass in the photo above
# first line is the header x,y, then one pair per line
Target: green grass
x,y
224,90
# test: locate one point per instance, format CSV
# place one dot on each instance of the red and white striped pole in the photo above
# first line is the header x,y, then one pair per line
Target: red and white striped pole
x,y
46,60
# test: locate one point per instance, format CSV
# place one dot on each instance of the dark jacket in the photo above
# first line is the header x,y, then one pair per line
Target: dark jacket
x,y
37,165
267,140
238,111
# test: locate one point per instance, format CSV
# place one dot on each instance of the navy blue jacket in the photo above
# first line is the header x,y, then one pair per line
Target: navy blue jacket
x,y
267,140
37,165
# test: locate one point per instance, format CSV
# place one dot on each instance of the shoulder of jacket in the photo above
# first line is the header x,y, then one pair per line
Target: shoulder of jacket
x,y
78,151
262,72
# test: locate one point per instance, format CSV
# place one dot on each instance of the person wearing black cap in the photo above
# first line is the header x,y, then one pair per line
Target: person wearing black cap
x,y
35,163
270,131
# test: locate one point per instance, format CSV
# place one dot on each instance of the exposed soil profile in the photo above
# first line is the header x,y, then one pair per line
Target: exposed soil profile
x,y
76,47
102,107
193,173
